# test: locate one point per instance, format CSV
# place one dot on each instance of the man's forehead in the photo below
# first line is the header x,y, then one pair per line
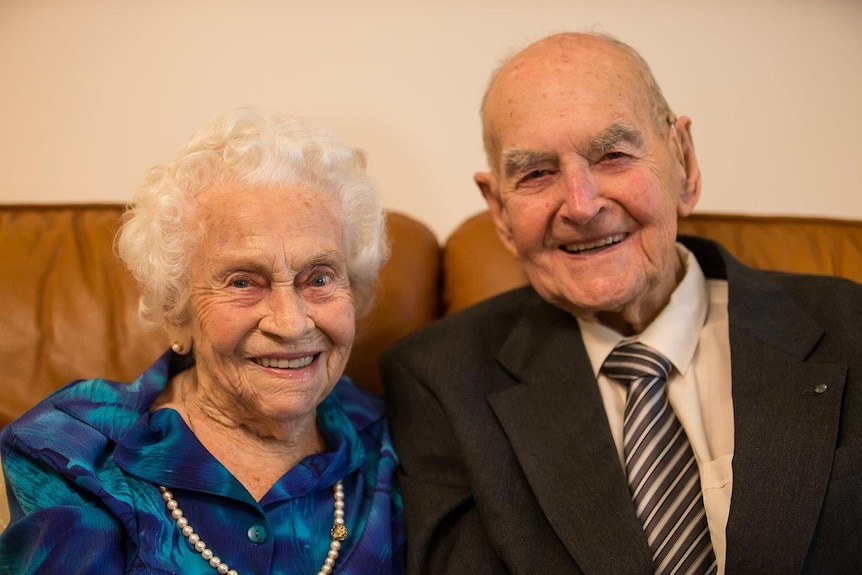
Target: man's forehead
x,y
566,93
574,83
570,55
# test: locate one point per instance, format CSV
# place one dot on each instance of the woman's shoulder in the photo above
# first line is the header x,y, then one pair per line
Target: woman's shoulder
x,y
83,411
66,421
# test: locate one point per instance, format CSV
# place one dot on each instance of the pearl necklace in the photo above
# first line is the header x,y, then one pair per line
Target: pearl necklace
x,y
338,532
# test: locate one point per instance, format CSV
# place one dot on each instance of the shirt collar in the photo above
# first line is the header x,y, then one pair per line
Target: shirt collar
x,y
159,447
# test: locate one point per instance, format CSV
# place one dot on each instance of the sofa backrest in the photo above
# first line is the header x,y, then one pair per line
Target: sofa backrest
x,y
477,266
69,306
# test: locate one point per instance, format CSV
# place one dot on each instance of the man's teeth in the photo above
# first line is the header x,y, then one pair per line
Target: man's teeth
x,y
574,248
285,363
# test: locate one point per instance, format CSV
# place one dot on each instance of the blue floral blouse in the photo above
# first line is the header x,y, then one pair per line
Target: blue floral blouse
x,y
83,469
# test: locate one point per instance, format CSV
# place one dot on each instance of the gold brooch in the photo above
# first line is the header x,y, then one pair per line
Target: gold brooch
x,y
339,532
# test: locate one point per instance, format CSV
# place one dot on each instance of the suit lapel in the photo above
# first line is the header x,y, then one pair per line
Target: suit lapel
x,y
786,425
556,423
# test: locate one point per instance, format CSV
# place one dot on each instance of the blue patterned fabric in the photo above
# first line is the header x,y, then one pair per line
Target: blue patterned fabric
x,y
83,468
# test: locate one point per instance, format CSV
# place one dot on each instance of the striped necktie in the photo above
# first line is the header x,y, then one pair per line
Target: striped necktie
x,y
662,472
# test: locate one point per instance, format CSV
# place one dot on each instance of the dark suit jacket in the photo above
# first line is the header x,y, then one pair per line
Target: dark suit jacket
x,y
508,464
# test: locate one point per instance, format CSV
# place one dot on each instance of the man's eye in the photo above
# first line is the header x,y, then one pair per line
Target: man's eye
x,y
611,156
534,178
240,283
535,174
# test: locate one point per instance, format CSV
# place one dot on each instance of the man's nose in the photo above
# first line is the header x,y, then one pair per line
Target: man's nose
x,y
582,196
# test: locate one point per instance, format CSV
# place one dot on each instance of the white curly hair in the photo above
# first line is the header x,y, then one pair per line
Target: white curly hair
x,y
263,151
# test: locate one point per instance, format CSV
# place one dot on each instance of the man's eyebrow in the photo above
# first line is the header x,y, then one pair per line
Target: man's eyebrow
x,y
517,161
613,135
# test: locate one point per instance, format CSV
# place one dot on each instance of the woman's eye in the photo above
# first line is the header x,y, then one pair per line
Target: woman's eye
x,y
321,281
319,278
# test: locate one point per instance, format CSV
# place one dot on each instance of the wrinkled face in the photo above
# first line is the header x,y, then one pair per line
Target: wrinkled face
x,y
585,189
271,313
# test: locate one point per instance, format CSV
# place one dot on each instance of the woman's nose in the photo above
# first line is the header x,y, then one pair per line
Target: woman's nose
x,y
286,314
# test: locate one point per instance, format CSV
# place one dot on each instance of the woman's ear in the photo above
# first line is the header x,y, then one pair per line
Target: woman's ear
x,y
488,186
180,335
690,193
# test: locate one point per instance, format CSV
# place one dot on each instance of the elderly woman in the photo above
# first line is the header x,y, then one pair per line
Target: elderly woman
x,y
243,449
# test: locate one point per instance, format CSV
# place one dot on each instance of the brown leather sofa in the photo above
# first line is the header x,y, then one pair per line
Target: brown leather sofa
x,y
69,307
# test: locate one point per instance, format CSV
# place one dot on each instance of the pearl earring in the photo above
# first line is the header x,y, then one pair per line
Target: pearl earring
x,y
177,346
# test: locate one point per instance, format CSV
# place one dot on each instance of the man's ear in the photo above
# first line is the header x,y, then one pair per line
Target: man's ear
x,y
488,186
691,185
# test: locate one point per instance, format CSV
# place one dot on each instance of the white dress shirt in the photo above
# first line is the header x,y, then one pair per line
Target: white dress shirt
x,y
692,332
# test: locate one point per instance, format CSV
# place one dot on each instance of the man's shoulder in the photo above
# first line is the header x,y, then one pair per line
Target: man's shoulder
x,y
840,286
833,304
718,262
487,320
824,297
817,293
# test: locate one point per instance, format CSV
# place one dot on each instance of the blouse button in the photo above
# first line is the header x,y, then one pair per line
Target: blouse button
x,y
257,533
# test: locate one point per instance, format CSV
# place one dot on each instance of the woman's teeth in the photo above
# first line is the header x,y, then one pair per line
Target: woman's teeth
x,y
285,363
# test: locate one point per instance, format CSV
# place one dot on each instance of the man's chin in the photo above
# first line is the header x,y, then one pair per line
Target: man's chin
x,y
589,298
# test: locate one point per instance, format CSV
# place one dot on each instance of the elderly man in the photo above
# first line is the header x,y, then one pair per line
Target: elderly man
x,y
647,404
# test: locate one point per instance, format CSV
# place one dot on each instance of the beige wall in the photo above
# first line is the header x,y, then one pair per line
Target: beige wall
x,y
94,91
